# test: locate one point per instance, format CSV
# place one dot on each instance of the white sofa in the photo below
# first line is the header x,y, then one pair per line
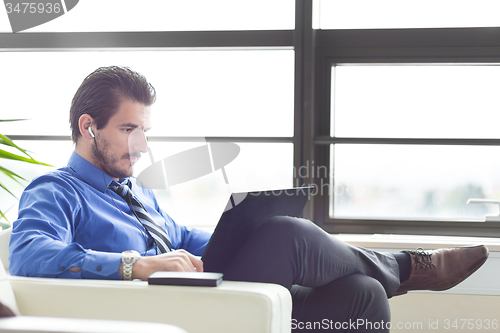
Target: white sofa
x,y
231,307
22,323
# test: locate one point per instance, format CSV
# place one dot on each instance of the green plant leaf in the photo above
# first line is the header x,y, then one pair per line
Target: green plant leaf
x,y
11,174
8,142
6,189
4,140
11,156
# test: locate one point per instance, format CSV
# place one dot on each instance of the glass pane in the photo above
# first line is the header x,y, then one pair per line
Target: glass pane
x,y
419,101
200,93
380,14
414,182
258,166
169,15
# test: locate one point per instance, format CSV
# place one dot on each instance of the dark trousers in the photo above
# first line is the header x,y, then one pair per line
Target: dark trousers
x,y
335,286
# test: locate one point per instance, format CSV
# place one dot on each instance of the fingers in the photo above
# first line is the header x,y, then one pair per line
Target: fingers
x,y
179,260
197,263
192,262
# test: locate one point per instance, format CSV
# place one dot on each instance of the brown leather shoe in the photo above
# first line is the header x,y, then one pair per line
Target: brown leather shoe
x,y
442,269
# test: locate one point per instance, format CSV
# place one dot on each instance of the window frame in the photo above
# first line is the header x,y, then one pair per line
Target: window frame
x,y
147,41
390,46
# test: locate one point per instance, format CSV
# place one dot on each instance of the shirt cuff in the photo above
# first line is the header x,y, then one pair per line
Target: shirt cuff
x,y
101,265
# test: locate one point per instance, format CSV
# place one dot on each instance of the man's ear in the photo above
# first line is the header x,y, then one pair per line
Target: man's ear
x,y
84,123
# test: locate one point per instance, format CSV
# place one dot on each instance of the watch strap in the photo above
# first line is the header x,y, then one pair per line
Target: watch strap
x,y
128,260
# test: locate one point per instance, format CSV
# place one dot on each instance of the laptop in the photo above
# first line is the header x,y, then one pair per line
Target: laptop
x,y
244,213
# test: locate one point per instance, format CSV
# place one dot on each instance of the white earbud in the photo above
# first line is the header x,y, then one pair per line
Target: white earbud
x,y
90,132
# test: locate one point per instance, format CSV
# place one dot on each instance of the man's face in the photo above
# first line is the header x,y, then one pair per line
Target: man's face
x,y
119,145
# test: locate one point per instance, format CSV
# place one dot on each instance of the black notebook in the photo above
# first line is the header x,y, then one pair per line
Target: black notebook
x,y
199,279
244,213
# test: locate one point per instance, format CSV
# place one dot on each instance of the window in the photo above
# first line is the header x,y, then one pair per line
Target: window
x,y
415,100
237,88
402,181
393,117
383,14
199,93
414,182
411,130
170,15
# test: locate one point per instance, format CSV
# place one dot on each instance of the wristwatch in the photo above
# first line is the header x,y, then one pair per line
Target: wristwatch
x,y
128,260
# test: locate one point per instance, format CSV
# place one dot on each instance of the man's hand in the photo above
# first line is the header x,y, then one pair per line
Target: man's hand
x,y
179,260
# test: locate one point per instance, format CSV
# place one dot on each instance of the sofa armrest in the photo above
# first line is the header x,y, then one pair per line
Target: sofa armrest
x,y
4,247
230,307
27,324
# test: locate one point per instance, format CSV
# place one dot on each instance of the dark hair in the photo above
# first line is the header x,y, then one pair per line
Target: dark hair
x,y
101,93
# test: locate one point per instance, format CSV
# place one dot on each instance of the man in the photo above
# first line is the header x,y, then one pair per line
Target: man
x,y
91,219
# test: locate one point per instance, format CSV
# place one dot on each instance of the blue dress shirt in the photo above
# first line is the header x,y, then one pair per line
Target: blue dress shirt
x,y
69,218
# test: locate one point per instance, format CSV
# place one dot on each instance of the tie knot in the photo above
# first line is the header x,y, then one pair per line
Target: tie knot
x,y
120,188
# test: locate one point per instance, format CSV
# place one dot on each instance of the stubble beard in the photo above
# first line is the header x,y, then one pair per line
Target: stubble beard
x,y
107,162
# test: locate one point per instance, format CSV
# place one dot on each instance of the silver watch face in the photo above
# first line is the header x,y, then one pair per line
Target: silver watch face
x,y
131,254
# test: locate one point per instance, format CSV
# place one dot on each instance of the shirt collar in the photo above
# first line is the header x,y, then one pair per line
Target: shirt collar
x,y
91,174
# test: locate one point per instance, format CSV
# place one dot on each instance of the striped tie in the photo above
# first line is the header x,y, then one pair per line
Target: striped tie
x,y
159,235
